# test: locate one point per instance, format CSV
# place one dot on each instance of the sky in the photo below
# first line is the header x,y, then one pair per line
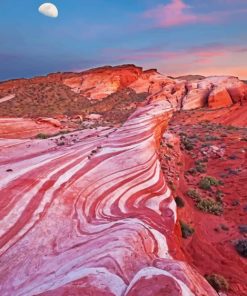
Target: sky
x,y
177,37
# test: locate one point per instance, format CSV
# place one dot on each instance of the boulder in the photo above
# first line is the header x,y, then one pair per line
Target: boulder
x,y
94,116
52,121
196,98
219,98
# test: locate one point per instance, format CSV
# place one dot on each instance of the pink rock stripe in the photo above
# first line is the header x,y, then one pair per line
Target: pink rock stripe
x,y
94,217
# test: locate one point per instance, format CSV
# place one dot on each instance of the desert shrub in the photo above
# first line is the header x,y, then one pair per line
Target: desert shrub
x,y
179,201
208,205
218,282
242,228
42,136
224,227
45,136
195,195
186,230
187,144
233,157
211,138
206,182
182,134
231,128
193,136
169,145
206,145
61,144
241,247
201,168
203,160
171,185
233,171
219,195
192,171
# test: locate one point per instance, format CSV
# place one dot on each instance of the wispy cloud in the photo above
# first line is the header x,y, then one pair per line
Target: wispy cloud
x,y
178,13
202,53
195,59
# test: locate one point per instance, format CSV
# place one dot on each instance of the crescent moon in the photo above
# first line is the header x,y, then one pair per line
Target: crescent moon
x,y
48,9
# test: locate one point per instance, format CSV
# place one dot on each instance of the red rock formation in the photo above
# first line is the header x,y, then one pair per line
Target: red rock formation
x,y
102,82
91,213
234,115
51,121
219,98
95,217
196,98
21,128
236,88
211,247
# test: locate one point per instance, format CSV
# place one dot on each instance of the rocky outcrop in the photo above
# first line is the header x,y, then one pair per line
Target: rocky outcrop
x,y
90,213
7,98
102,82
52,121
195,98
21,128
236,88
215,91
219,98
97,84
95,217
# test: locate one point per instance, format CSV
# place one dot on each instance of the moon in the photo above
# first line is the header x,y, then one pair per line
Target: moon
x,y
48,9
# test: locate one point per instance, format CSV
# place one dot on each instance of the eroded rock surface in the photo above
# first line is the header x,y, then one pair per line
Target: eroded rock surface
x,y
90,212
93,217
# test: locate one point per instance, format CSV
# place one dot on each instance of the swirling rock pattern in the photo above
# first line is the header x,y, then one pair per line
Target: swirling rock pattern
x,y
93,217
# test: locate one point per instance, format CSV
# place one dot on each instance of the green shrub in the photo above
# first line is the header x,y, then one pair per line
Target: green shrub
x,y
218,282
206,182
179,201
195,195
186,230
210,206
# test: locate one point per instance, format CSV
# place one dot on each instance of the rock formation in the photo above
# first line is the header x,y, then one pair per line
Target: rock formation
x,y
104,223
92,214
219,98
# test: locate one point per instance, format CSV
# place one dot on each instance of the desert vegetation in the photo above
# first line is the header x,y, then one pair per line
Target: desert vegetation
x,y
50,99
186,229
241,247
218,282
179,202
207,182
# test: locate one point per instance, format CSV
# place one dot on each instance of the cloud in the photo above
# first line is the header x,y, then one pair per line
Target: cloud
x,y
202,53
196,59
48,9
178,13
